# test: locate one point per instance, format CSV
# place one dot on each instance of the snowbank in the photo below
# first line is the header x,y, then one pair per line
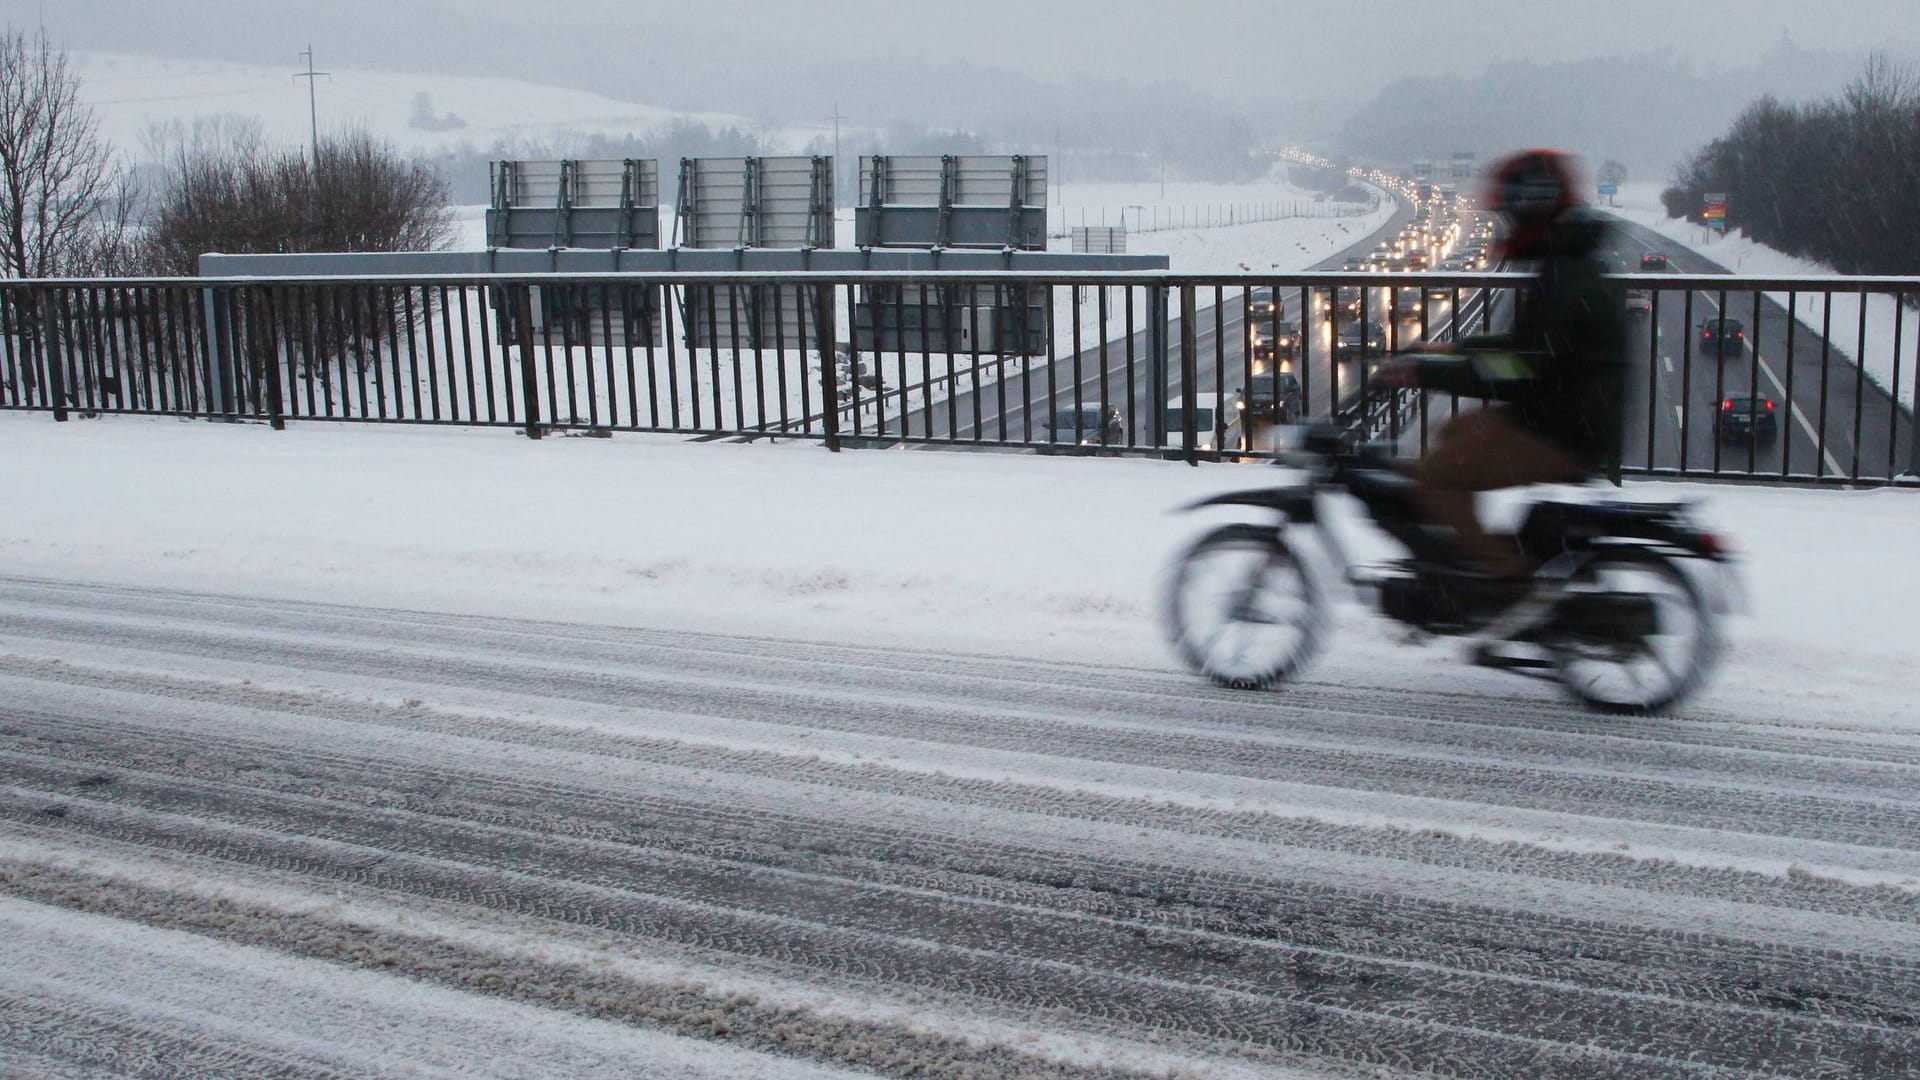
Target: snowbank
x,y
1640,204
990,553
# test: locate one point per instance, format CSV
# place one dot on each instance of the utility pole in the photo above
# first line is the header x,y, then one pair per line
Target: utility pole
x,y
836,154
313,109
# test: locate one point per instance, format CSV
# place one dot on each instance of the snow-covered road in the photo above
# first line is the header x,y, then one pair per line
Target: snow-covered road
x,y
262,837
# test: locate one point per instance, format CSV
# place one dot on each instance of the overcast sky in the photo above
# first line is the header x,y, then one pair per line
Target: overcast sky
x,y
1246,49
1234,47
1228,46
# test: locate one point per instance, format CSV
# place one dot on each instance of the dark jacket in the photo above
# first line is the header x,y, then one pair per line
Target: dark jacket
x,y
1561,368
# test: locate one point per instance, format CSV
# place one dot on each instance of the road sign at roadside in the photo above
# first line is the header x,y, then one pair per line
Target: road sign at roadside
x,y
1609,189
1713,209
1099,239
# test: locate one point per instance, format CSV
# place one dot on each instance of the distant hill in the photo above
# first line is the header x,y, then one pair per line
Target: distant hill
x,y
1645,112
416,111
684,62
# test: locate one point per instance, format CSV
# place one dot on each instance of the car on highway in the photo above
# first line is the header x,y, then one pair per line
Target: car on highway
x,y
1722,336
1750,417
1639,301
1349,345
1263,302
1086,425
1273,397
1354,265
1274,341
1209,429
1653,262
1347,300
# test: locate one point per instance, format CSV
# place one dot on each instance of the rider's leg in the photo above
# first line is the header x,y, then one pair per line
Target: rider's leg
x,y
1482,451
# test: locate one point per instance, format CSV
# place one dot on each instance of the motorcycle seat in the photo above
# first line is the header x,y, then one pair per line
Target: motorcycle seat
x,y
1381,487
1611,510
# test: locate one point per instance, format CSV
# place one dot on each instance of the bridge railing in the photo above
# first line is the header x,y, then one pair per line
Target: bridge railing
x,y
1797,379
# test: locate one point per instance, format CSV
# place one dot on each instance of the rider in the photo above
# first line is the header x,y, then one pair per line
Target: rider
x,y
1556,375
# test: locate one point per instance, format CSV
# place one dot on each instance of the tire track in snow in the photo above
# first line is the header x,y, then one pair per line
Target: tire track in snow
x,y
1120,911
1737,797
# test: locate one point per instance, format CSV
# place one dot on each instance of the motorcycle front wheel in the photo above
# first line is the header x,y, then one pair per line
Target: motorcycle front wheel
x,y
1242,609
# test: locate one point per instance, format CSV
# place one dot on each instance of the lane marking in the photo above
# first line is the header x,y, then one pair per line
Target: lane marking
x,y
1799,416
1780,388
1680,417
1666,362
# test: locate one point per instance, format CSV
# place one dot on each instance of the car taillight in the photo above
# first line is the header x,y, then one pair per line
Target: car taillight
x,y
1769,406
1727,405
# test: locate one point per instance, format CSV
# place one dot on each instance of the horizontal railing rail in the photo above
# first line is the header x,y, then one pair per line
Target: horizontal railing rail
x,y
1785,378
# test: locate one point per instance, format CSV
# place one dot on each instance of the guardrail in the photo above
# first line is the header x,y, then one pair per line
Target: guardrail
x,y
1081,363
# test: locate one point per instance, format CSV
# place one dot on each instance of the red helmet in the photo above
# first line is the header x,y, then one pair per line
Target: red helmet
x,y
1531,188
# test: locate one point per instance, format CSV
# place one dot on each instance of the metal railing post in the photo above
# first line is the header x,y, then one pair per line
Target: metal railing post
x,y
529,379
1189,375
266,352
1159,334
214,344
824,324
56,380
1913,417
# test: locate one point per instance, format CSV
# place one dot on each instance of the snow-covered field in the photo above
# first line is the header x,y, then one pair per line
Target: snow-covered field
x,y
1640,203
131,93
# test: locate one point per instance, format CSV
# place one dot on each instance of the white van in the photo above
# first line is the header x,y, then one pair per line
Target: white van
x,y
1206,426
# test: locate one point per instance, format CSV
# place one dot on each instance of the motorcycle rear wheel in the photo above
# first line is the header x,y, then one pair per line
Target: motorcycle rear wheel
x,y
1634,671
1242,609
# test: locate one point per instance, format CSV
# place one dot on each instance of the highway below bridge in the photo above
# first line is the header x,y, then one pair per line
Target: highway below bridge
x,y
1017,407
1829,420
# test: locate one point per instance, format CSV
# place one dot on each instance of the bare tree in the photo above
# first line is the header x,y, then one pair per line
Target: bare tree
x,y
239,195
66,203
1833,180
225,189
